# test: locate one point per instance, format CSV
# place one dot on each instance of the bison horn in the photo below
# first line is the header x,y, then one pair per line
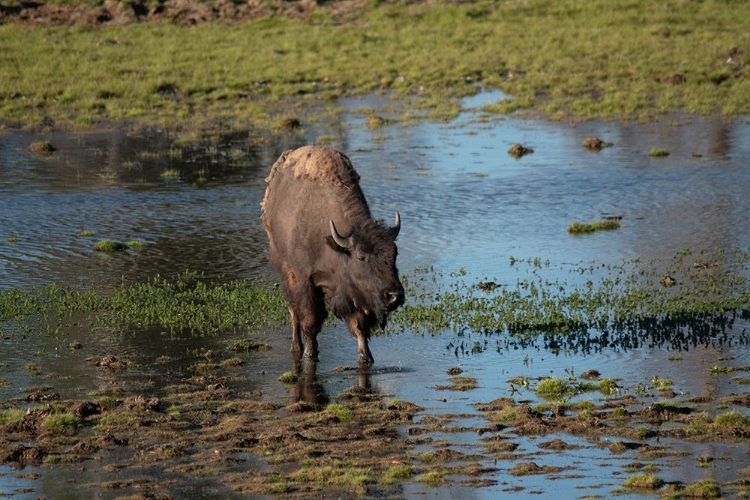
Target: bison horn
x,y
396,226
340,240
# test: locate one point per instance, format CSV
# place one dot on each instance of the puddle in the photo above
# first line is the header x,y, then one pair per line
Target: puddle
x,y
465,204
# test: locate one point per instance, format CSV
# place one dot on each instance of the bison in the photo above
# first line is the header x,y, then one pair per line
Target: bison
x,y
327,249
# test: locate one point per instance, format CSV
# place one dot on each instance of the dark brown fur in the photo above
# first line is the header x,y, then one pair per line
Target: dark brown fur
x,y
307,189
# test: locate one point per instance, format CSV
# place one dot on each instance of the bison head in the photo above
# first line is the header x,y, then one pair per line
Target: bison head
x,y
369,283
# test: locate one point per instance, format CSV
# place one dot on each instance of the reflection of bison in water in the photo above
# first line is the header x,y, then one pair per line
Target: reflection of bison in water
x,y
313,198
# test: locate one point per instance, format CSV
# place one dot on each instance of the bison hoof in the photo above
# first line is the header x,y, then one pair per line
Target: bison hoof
x,y
365,359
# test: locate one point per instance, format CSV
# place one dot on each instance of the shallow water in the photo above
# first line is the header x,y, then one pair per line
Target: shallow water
x,y
465,203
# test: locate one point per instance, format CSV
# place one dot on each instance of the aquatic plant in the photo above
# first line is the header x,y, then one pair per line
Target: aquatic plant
x,y
590,227
288,378
603,307
552,387
658,153
110,246
41,147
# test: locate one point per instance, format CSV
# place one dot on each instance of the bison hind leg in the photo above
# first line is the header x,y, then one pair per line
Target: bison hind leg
x,y
297,345
308,313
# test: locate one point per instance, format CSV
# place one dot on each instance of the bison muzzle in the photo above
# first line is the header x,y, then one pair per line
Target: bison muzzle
x,y
327,249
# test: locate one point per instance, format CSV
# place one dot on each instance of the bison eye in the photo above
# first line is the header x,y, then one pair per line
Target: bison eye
x,y
361,258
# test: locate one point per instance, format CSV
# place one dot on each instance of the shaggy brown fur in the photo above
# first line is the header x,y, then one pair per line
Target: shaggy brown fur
x,y
308,189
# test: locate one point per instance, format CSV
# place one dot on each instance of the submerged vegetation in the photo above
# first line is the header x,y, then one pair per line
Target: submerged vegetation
x,y
591,227
565,59
602,306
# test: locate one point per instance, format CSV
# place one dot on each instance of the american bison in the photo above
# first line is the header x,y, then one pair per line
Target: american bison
x,y
327,249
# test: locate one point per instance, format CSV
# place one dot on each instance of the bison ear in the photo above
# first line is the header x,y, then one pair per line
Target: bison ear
x,y
344,243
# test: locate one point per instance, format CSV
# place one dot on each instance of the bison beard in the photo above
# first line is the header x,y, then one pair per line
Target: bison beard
x,y
326,248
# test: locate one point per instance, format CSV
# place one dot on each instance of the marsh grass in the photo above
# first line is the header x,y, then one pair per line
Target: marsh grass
x,y
343,414
705,488
184,303
565,59
733,418
61,422
644,482
620,305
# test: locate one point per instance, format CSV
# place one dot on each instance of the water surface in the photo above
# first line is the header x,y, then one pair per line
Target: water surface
x,y
465,204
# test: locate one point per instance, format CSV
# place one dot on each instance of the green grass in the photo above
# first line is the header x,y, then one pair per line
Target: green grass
x,y
184,303
733,418
11,417
343,413
565,59
397,473
61,421
705,488
552,388
644,482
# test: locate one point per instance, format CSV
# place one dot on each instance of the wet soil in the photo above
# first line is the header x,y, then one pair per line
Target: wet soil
x,y
203,429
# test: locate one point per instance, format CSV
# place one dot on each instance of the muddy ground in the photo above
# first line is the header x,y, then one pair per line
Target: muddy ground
x,y
185,12
201,432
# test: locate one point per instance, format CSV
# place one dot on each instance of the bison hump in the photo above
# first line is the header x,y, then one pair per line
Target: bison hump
x,y
318,163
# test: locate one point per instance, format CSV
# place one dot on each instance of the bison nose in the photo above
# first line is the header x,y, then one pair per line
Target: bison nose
x,y
394,298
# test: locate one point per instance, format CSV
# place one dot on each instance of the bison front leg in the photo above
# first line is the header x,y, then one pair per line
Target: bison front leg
x,y
364,356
